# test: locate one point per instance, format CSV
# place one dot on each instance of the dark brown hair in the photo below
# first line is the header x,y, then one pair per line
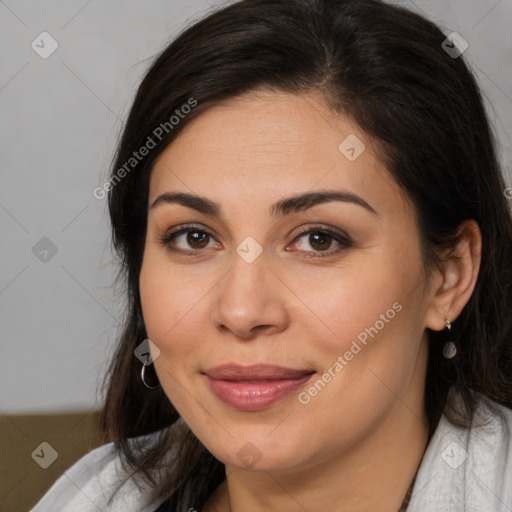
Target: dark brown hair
x,y
385,68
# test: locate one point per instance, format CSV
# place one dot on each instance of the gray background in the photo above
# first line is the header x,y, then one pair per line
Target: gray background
x,y
60,119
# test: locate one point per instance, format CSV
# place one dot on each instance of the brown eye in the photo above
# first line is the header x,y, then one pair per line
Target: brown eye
x,y
314,242
197,239
320,241
187,240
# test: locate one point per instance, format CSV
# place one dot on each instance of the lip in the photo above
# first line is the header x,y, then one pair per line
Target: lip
x,y
255,387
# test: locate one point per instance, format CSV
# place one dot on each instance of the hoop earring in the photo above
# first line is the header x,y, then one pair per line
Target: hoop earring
x,y
449,349
143,380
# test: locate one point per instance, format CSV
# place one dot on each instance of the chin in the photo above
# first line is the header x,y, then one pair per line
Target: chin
x,y
259,453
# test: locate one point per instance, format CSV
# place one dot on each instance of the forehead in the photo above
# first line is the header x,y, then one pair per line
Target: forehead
x,y
268,144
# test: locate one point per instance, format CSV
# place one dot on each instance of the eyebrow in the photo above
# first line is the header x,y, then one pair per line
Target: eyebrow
x,y
281,208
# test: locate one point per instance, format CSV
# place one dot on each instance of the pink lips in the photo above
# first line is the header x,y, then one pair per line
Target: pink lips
x,y
251,388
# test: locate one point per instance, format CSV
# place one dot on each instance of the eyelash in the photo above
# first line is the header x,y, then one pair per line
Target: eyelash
x,y
342,240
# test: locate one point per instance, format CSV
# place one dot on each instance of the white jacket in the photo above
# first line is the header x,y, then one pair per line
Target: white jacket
x,y
463,470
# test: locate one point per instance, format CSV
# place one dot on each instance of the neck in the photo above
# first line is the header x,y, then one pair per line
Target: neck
x,y
375,474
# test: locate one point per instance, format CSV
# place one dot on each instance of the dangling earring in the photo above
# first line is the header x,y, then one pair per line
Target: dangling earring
x,y
449,349
142,377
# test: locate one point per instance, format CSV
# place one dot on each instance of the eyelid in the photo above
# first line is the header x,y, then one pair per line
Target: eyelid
x,y
323,229
170,234
340,237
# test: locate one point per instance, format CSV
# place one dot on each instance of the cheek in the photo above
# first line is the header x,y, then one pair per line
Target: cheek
x,y
359,304
171,310
370,330
374,363
170,304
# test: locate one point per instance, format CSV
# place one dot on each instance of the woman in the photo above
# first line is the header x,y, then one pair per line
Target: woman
x,y
317,248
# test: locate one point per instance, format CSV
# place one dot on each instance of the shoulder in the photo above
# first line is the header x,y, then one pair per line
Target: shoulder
x,y
468,468
98,481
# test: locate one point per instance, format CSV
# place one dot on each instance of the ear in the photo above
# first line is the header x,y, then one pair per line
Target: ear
x,y
456,279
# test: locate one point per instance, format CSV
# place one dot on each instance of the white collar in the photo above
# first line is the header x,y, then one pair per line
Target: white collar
x,y
468,469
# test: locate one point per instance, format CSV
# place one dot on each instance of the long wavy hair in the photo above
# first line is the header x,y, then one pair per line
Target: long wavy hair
x,y
386,69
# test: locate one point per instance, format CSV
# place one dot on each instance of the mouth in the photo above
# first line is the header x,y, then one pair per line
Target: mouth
x,y
256,387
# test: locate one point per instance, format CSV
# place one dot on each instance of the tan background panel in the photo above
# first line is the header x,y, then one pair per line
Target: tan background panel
x,y
22,480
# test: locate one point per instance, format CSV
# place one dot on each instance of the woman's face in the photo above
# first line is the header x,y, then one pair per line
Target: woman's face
x,y
330,293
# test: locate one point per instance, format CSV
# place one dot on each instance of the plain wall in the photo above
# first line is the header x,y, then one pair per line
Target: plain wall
x,y
60,119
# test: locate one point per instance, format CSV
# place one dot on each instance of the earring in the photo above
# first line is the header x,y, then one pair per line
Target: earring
x,y
143,380
449,349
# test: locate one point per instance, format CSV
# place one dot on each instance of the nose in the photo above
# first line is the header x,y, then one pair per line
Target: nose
x,y
250,300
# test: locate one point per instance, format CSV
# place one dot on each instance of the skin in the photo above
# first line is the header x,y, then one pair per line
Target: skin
x,y
358,443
